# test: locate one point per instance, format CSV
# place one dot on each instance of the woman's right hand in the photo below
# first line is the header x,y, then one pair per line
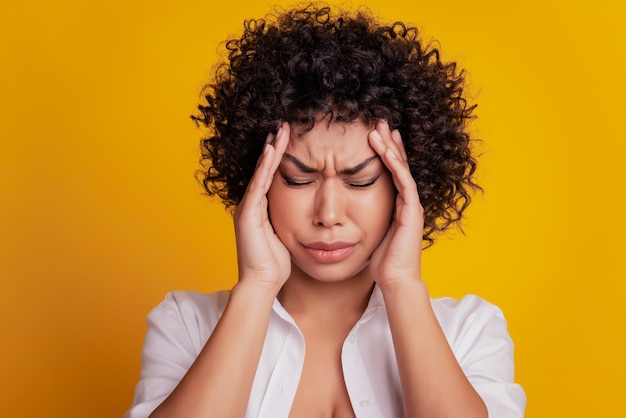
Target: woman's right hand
x,y
261,256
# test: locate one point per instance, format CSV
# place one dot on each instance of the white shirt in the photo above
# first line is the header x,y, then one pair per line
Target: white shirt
x,y
476,331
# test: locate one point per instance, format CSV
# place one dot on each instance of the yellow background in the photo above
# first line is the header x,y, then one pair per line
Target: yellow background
x,y
101,216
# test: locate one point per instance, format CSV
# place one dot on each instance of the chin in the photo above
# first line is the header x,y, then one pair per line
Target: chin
x,y
330,273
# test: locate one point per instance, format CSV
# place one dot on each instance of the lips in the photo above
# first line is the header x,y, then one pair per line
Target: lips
x,y
329,252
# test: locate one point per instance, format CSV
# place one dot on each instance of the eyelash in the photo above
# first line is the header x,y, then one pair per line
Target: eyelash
x,y
363,185
292,183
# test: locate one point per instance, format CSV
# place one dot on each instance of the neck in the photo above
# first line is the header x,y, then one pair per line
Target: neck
x,y
303,295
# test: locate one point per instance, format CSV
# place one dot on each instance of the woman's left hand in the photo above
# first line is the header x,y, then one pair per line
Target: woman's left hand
x,y
398,257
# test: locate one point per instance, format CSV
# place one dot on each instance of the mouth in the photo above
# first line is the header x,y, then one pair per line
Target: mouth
x,y
329,252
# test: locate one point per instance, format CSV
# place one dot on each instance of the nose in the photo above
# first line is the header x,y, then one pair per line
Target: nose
x,y
330,204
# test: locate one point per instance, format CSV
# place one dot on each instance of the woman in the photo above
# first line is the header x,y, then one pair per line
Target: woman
x,y
342,144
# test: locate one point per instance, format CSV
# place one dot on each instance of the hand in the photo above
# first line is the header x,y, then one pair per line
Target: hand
x,y
261,256
398,257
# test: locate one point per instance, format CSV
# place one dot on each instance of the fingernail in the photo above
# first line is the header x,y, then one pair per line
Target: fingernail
x,y
269,138
377,136
266,148
279,132
392,154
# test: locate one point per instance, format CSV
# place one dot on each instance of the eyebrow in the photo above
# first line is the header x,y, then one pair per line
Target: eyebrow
x,y
346,171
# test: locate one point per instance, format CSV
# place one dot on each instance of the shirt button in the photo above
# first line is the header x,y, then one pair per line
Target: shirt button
x,y
365,404
352,338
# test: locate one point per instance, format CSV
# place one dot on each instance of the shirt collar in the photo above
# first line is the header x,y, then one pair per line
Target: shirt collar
x,y
375,303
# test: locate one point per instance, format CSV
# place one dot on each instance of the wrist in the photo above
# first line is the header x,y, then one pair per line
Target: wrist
x,y
409,288
258,290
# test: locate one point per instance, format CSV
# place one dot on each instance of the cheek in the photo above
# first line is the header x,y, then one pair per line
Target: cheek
x,y
283,210
375,210
385,205
382,213
385,196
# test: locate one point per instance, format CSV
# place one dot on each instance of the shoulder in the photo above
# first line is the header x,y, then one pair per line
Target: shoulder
x,y
477,333
188,314
449,309
191,303
469,321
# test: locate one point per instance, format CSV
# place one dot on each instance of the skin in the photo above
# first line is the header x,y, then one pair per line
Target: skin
x,y
383,222
331,188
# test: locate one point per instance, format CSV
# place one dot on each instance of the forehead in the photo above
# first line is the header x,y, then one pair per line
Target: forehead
x,y
340,141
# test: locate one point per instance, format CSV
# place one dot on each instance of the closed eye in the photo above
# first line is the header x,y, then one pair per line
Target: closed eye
x,y
364,184
293,183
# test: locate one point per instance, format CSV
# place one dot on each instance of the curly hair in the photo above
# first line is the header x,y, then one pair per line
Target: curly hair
x,y
297,64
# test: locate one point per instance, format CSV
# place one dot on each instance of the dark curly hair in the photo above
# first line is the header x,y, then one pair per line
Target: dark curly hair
x,y
298,64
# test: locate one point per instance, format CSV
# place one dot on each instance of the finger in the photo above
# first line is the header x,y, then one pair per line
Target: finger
x,y
388,145
285,130
399,169
256,191
382,127
380,140
408,208
377,144
400,173
397,139
269,139
280,145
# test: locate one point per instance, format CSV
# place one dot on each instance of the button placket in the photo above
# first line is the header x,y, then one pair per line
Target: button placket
x,y
362,394
285,376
